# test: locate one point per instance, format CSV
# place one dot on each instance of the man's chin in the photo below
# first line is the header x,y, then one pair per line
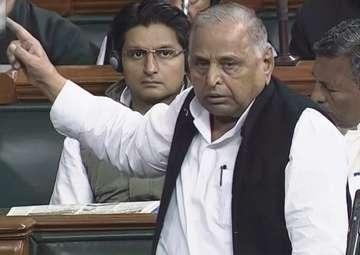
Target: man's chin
x,y
220,111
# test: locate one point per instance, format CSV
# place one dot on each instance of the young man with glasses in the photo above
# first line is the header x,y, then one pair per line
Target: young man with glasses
x,y
149,51
190,7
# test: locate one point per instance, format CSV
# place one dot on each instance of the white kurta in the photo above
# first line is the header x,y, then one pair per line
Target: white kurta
x,y
198,219
352,139
72,183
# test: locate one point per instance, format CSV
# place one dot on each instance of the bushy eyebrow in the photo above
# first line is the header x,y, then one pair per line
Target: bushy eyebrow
x,y
198,57
231,59
317,79
226,58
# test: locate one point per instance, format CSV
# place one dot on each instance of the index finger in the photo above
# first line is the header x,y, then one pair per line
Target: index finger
x,y
21,33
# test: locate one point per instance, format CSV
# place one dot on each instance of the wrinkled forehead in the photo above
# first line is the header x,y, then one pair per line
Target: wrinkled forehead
x,y
207,38
330,68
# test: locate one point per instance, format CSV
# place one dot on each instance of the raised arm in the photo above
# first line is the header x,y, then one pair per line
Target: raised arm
x,y
27,52
138,145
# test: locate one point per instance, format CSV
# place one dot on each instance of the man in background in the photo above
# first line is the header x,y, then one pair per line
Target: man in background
x,y
149,78
337,88
190,7
314,19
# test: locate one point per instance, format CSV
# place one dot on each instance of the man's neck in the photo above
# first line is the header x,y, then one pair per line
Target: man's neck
x,y
344,130
142,107
220,125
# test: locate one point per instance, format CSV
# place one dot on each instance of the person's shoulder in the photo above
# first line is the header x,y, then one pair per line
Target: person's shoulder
x,y
180,98
171,111
316,122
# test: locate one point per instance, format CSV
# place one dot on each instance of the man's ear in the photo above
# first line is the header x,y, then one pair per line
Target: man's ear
x,y
269,63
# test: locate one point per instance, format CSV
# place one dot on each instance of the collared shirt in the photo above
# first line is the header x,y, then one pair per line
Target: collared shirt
x,y
72,183
352,140
198,219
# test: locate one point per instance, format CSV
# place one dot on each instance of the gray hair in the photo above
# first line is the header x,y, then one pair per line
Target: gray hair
x,y
342,40
237,14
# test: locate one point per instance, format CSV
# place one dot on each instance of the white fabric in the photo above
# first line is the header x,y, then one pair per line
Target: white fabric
x,y
72,183
101,57
198,220
352,139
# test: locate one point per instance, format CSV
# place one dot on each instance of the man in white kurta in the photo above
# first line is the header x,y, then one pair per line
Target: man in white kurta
x,y
198,220
352,141
338,87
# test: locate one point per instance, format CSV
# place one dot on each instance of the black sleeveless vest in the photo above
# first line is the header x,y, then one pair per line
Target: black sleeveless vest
x,y
258,190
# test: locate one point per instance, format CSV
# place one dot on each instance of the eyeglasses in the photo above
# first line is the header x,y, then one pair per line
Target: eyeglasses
x,y
159,54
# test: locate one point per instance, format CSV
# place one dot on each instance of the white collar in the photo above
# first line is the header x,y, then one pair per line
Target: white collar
x,y
202,122
125,97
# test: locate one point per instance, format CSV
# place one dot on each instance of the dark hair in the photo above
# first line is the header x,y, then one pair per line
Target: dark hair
x,y
342,40
146,13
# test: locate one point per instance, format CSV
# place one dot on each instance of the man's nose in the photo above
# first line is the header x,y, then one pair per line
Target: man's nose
x,y
151,65
213,75
317,94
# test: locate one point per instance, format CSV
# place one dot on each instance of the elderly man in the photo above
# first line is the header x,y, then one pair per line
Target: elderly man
x,y
251,168
337,90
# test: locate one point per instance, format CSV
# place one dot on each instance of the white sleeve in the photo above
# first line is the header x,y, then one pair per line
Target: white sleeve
x,y
315,188
115,132
72,184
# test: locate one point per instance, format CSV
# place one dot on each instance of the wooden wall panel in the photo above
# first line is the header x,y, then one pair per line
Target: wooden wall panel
x,y
271,4
101,7
255,4
96,79
63,7
16,231
93,78
87,7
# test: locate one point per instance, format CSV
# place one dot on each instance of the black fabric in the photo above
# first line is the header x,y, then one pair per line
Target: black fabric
x,y
179,146
316,17
348,200
259,175
63,41
259,226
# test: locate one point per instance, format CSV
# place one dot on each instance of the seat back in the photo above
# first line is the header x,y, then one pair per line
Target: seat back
x,y
29,153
